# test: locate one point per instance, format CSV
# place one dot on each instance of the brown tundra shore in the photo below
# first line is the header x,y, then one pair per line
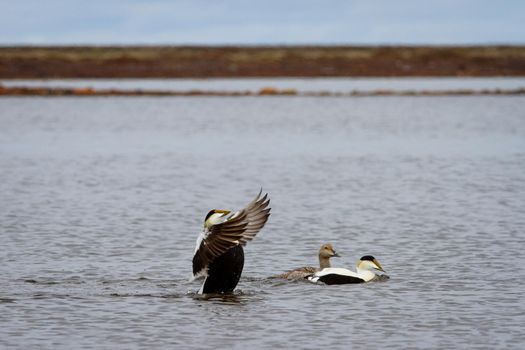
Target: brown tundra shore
x,y
252,61
47,91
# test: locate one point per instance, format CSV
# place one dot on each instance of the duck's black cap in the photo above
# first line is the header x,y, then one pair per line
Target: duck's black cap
x,y
368,257
209,214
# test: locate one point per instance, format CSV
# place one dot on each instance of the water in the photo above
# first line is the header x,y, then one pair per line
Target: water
x,y
333,85
101,200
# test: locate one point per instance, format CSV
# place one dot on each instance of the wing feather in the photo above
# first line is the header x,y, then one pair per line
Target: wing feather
x,y
239,228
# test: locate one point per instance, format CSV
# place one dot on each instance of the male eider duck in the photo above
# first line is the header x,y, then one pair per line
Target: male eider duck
x,y
325,253
366,267
219,256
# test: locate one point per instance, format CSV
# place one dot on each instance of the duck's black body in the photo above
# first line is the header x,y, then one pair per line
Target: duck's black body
x,y
340,279
224,271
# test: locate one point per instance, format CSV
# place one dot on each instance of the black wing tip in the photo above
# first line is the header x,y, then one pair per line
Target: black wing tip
x,y
260,193
263,201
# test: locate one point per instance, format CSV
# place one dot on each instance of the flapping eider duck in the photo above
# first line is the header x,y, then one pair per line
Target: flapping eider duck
x,y
219,256
325,253
366,272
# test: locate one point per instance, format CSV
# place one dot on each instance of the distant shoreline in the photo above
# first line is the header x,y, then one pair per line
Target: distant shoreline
x,y
51,91
36,62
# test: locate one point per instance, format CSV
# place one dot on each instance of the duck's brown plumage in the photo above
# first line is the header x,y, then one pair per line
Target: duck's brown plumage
x,y
325,253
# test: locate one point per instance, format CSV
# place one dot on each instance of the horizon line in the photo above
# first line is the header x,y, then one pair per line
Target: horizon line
x,y
268,45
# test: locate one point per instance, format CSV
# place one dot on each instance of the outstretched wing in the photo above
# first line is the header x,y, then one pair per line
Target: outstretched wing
x,y
238,228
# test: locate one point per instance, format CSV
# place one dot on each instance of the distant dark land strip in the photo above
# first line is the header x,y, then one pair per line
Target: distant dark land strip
x,y
45,91
281,61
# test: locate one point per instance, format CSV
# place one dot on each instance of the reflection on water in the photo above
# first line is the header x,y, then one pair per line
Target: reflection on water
x,y
102,199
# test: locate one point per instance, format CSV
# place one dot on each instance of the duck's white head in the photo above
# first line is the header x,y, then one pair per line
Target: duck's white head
x,y
214,217
369,263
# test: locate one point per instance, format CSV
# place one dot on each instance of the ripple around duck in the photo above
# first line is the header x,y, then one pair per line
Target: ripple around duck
x,y
7,300
148,295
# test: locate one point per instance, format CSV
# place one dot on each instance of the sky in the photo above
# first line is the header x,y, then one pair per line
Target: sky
x,y
268,22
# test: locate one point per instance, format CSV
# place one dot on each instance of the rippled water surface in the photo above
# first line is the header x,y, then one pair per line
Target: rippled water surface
x,y
101,200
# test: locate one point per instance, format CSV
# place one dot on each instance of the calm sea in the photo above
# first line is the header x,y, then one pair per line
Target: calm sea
x,y
102,199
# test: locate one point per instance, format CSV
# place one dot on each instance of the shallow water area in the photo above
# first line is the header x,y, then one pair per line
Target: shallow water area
x,y
302,85
102,199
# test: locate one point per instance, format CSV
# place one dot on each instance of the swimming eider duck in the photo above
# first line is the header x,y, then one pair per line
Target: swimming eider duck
x,y
219,256
325,253
366,272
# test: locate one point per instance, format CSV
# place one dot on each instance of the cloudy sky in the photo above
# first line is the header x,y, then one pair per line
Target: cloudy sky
x,y
262,22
